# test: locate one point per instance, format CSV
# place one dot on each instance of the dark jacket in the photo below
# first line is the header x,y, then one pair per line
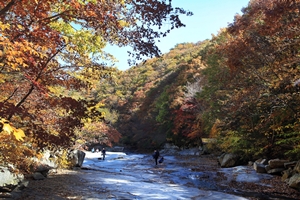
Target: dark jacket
x,y
156,155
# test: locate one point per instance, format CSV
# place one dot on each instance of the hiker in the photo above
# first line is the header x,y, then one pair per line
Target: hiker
x,y
103,153
155,156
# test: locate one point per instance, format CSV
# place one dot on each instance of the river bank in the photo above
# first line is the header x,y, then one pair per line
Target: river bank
x,y
137,177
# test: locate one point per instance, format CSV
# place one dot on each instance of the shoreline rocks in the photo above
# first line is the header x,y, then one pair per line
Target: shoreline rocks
x,y
290,171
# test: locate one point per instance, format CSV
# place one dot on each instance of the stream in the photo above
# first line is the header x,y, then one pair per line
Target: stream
x,y
135,176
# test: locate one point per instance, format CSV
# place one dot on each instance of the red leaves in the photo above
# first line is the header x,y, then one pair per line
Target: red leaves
x,y
185,123
261,51
37,85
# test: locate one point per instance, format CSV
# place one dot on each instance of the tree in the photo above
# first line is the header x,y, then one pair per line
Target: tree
x,y
49,49
261,52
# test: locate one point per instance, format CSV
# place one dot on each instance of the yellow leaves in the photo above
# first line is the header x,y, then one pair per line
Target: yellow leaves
x,y
119,93
123,23
19,134
2,77
80,141
66,39
97,106
6,127
4,26
20,26
63,160
122,2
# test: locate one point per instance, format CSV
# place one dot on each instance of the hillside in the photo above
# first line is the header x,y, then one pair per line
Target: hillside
x,y
158,88
241,87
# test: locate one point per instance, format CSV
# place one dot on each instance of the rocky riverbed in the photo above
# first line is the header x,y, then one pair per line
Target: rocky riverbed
x,y
135,176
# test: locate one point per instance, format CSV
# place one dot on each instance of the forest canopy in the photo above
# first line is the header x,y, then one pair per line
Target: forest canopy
x,y
51,56
240,88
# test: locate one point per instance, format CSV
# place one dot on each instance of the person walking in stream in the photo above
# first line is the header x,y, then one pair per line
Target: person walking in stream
x,y
103,153
155,156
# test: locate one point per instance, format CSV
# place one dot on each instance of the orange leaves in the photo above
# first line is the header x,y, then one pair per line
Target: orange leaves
x,y
50,44
16,54
261,52
98,132
75,4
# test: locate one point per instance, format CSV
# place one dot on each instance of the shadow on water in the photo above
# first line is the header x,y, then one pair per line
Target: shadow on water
x,y
201,180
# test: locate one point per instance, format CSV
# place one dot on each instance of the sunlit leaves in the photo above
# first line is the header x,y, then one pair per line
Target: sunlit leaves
x,y
52,61
256,98
19,134
7,128
13,147
97,132
79,40
3,27
17,55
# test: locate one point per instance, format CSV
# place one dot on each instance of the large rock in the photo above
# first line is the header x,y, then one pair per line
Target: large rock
x,y
277,163
9,180
259,168
43,169
38,176
77,157
48,159
264,161
294,181
290,164
297,167
228,160
286,174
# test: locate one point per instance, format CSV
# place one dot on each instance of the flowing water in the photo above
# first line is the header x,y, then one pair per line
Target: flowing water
x,y
135,176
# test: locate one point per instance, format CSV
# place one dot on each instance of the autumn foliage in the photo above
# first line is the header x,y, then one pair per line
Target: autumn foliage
x,y
241,86
52,59
260,52
248,94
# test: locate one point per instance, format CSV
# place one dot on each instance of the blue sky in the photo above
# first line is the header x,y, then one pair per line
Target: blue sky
x,y
209,16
